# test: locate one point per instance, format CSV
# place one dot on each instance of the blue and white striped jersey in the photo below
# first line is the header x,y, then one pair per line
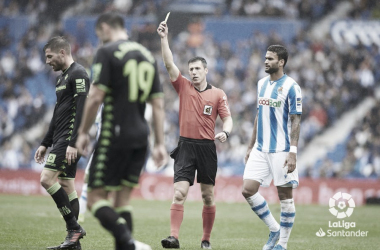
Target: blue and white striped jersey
x,y
276,101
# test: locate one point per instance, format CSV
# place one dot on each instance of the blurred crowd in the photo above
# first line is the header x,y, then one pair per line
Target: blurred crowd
x,y
327,74
362,158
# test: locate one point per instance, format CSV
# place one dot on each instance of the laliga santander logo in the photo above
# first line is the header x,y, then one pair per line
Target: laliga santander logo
x,y
341,205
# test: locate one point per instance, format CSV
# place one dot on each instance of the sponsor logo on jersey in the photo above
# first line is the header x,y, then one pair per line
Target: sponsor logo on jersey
x,y
57,89
207,110
273,103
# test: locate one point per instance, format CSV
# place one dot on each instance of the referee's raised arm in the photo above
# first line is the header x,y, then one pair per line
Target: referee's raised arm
x,y
167,55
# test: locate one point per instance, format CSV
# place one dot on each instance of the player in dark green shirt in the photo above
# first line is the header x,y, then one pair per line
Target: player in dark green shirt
x,y
71,89
125,77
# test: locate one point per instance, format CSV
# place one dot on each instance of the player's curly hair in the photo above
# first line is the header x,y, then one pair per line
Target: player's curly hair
x,y
281,52
57,43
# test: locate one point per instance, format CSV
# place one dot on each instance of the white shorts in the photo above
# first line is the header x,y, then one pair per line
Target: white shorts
x,y
263,167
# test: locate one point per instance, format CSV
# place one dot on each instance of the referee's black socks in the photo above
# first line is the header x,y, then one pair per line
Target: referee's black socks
x,y
63,204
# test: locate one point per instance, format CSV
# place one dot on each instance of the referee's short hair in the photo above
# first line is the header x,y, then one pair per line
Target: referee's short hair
x,y
281,52
55,44
198,58
112,19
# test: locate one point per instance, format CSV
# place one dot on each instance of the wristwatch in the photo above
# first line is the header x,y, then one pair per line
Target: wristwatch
x,y
227,134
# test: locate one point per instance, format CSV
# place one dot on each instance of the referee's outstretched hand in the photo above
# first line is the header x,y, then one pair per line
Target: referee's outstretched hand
x,y
162,29
222,137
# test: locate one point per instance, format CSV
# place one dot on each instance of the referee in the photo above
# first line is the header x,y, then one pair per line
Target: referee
x,y
200,105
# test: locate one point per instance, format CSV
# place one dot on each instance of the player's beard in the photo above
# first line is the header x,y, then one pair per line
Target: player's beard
x,y
271,70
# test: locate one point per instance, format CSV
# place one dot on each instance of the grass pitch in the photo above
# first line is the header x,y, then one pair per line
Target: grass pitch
x,y
33,222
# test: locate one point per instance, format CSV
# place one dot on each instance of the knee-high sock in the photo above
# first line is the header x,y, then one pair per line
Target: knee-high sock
x,y
63,204
288,214
126,213
111,221
260,207
208,216
83,200
176,218
73,198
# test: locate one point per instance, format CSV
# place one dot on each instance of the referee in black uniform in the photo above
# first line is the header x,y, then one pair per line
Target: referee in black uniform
x,y
125,77
71,89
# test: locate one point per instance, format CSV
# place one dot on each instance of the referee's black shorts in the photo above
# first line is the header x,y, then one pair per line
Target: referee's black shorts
x,y
195,155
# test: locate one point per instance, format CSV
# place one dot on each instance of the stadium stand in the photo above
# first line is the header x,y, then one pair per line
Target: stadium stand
x,y
334,78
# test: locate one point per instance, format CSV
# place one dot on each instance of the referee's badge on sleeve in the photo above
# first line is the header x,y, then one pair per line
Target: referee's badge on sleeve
x,y
207,110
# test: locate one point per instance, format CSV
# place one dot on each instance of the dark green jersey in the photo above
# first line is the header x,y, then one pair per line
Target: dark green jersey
x,y
71,89
128,73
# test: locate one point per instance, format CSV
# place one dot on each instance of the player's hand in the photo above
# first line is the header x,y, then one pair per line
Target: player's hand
x,y
247,155
290,161
83,141
39,156
159,155
162,29
71,155
222,137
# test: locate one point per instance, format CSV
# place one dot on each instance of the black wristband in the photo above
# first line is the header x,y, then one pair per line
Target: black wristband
x,y
227,134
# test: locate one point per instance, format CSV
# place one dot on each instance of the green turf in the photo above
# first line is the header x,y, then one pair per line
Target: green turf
x,y
33,222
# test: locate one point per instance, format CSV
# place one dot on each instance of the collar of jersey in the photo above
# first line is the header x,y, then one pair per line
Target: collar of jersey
x,y
278,80
207,87
67,69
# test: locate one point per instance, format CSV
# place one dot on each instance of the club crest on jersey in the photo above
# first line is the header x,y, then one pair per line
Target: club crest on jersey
x,y
279,90
207,110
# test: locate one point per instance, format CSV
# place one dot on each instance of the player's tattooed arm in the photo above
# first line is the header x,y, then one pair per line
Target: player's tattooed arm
x,y
291,159
295,129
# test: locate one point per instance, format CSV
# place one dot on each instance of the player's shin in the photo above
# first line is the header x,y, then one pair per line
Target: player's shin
x,y
288,213
111,221
74,202
126,213
260,207
63,204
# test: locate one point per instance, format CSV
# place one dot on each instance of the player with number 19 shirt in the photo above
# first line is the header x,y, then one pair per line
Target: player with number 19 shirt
x,y
117,64
125,77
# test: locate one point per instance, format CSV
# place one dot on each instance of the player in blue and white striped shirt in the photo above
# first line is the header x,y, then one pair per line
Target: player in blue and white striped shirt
x,y
272,151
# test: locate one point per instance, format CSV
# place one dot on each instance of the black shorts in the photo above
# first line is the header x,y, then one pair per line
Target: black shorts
x,y
191,155
56,161
111,168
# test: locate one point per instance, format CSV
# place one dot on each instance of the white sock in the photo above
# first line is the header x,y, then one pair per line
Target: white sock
x,y
260,207
288,213
83,200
